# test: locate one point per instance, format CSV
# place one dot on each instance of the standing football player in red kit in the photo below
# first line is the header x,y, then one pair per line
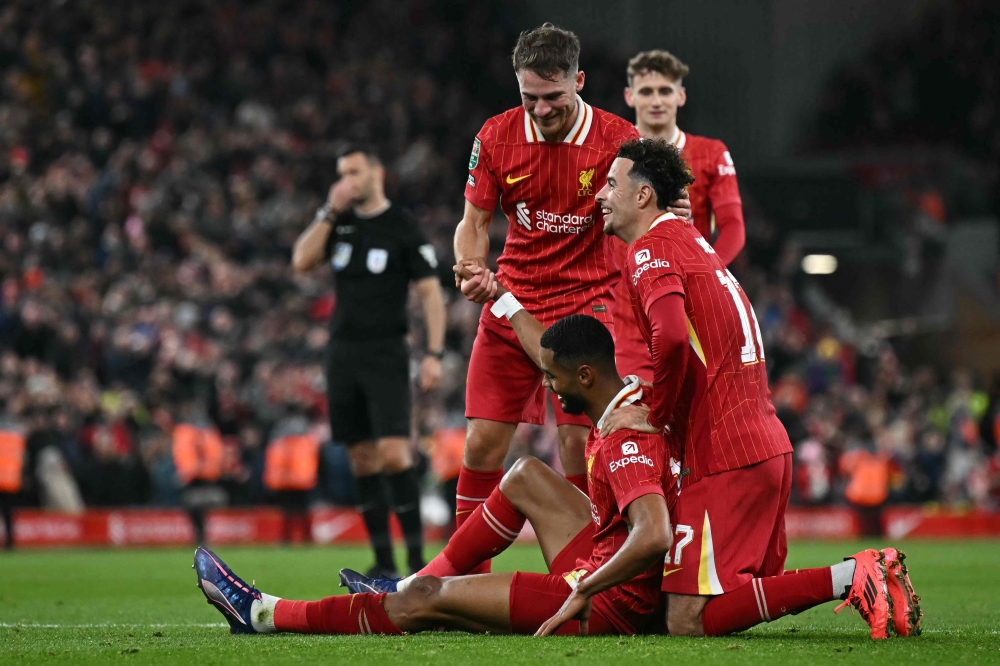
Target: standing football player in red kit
x,y
656,91
710,389
542,162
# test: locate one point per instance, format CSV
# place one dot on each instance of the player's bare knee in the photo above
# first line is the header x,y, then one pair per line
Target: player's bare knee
x,y
678,625
485,445
522,476
684,615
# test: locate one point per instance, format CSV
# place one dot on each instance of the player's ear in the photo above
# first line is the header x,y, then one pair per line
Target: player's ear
x,y
580,76
644,195
682,96
585,376
628,97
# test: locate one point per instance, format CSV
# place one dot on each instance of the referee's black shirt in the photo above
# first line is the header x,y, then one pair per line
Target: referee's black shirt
x,y
374,260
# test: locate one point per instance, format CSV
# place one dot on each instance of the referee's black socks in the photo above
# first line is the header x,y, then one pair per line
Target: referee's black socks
x,y
374,508
405,489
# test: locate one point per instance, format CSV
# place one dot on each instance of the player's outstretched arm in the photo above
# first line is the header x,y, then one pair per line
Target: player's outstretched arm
x,y
668,321
528,329
647,544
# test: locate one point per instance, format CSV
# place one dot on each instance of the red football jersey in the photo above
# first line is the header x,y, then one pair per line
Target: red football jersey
x,y
620,469
554,259
714,185
723,418
714,177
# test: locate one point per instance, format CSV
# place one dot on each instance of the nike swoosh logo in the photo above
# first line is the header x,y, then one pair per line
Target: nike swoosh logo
x,y
667,573
511,181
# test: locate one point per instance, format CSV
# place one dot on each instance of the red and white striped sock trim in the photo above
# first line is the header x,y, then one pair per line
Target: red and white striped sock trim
x,y
497,526
758,591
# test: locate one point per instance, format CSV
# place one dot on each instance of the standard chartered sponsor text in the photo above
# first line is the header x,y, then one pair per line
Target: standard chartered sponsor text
x,y
566,223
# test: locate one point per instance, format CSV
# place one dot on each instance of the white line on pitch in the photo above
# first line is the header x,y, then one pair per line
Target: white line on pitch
x,y
99,625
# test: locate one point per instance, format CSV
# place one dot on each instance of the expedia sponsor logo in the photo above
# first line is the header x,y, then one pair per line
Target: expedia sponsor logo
x,y
647,264
630,448
631,460
553,223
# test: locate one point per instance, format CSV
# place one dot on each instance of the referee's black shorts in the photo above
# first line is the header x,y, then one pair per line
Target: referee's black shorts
x,y
368,389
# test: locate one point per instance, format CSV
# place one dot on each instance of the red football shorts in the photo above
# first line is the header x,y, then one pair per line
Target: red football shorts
x,y
535,597
632,357
729,528
504,384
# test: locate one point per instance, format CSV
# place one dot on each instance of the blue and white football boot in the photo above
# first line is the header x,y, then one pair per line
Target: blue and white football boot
x,y
227,591
358,582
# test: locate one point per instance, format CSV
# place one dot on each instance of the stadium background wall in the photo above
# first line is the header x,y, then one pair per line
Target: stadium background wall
x,y
167,527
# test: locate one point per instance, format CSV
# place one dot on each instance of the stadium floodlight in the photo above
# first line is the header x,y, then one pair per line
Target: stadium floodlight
x,y
819,264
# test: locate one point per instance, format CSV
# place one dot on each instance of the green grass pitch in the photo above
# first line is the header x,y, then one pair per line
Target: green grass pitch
x,y
141,606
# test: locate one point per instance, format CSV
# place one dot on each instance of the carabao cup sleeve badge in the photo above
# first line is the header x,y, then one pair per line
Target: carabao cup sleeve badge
x,y
474,157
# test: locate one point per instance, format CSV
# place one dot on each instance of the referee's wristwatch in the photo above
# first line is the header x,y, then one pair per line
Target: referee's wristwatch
x,y
439,354
324,214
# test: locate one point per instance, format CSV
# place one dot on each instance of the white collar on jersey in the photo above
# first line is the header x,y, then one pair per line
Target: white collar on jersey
x,y
577,134
628,395
678,139
661,218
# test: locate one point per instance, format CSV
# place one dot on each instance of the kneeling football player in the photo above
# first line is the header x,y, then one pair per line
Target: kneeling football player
x,y
604,553
726,572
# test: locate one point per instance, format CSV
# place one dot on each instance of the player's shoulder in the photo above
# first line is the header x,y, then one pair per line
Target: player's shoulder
x,y
627,442
704,145
497,127
660,240
612,127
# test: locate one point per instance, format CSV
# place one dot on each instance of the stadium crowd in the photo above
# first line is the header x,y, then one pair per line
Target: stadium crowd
x,y
158,160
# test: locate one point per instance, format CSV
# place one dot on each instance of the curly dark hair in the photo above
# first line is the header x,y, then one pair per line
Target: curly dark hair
x,y
548,51
659,165
580,340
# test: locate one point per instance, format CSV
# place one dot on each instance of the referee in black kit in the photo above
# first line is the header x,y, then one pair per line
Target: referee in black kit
x,y
375,250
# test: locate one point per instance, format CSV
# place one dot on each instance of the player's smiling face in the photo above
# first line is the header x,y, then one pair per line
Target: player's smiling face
x,y
617,199
655,98
550,103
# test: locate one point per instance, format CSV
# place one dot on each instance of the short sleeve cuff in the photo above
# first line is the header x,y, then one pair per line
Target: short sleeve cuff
x,y
478,200
660,292
636,493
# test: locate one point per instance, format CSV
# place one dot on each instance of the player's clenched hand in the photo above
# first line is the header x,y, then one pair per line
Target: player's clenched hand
x,y
481,287
682,207
463,269
632,417
576,607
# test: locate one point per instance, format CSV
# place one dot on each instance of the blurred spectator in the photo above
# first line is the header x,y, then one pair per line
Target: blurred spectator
x,y
291,470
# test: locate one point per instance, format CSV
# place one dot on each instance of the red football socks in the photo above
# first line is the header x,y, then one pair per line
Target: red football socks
x,y
346,614
490,529
473,489
766,599
580,481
